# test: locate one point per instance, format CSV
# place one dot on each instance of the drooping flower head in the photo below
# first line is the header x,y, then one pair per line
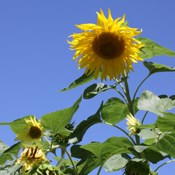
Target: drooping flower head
x,y
108,47
32,131
31,156
133,124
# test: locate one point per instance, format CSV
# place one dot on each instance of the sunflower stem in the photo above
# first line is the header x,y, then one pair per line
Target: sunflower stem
x,y
123,132
170,161
144,117
70,158
140,85
127,93
99,170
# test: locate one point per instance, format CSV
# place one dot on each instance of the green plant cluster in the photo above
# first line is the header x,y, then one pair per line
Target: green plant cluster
x,y
134,153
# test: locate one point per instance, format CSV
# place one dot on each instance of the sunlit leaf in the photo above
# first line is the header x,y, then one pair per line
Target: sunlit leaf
x,y
95,89
18,125
114,110
166,144
152,103
152,49
80,81
103,151
83,126
166,123
3,147
155,68
56,121
116,162
147,134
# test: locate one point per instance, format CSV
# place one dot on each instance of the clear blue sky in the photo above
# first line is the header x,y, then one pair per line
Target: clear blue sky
x,y
35,60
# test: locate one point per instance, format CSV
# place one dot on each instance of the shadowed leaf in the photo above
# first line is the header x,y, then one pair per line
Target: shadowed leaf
x,y
154,67
81,129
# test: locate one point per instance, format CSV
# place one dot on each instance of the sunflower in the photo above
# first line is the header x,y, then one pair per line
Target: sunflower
x,y
31,156
107,47
133,124
31,132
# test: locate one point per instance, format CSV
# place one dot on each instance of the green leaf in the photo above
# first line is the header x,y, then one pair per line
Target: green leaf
x,y
166,144
166,123
95,89
81,129
80,81
56,121
152,103
147,134
116,162
152,49
114,110
153,155
154,67
18,125
103,151
9,153
88,160
3,147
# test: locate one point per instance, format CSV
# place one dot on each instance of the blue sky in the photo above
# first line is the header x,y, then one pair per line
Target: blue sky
x,y
35,60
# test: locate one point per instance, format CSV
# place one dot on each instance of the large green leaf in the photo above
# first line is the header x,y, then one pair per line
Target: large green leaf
x,y
166,144
152,103
103,151
114,110
79,81
166,123
9,153
152,49
154,67
56,121
18,125
95,89
81,129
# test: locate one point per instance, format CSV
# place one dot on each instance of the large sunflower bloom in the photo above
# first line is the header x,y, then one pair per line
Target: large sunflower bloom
x,y
107,47
31,132
30,157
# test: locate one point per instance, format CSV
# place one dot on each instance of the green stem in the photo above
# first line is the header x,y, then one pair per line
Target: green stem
x,y
170,161
144,117
124,133
140,86
121,95
70,158
127,93
137,139
99,170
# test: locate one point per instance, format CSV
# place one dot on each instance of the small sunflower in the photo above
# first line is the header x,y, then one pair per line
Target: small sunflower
x,y
31,132
30,157
133,124
108,47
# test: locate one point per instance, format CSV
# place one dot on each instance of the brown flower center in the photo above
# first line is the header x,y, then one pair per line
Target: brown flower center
x,y
108,45
35,132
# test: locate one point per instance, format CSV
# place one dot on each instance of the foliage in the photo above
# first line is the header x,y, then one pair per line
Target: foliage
x,y
150,144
